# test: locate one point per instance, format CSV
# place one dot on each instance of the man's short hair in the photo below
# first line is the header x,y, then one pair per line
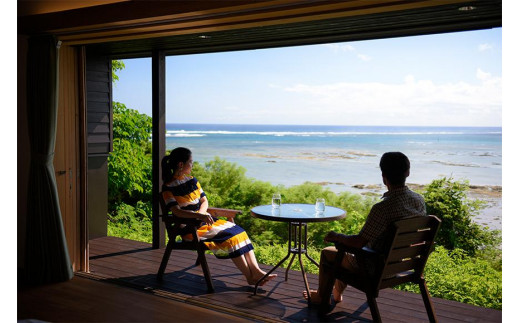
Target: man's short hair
x,y
395,167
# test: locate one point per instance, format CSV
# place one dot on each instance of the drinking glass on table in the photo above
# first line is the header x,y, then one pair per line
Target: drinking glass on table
x,y
277,201
320,205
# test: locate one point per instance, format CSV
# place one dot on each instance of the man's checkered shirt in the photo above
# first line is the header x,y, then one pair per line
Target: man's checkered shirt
x,y
396,204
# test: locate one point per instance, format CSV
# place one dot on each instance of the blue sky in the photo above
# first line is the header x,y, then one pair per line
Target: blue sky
x,y
450,79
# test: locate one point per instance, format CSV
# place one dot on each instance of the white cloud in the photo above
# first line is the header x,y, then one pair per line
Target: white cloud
x,y
483,76
364,57
412,102
340,48
346,48
484,47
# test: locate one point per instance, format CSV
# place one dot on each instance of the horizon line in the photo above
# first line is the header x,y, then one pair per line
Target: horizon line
x,y
324,125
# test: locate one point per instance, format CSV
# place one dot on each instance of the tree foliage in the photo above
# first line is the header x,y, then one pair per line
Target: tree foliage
x,y
129,169
130,165
131,125
117,65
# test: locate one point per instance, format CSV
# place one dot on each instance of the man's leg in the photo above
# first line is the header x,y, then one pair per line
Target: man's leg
x,y
327,257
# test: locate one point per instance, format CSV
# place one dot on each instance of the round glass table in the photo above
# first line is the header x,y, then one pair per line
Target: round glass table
x,y
297,216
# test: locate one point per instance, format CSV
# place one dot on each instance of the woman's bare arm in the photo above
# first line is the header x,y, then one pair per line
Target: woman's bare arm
x,y
201,215
204,205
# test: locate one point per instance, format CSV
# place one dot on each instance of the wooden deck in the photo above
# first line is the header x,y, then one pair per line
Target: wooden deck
x,y
134,264
87,300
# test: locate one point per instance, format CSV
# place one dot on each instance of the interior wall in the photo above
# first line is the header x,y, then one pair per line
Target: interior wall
x,y
23,152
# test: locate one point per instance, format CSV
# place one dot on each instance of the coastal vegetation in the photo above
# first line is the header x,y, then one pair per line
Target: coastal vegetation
x,y
466,265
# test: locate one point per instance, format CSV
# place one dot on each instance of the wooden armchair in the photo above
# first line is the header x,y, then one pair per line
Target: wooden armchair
x,y
176,226
403,261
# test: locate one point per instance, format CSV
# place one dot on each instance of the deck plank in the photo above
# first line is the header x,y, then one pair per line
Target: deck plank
x,y
135,264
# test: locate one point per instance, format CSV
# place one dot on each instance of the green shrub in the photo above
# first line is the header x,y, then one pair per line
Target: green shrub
x,y
224,180
131,222
447,199
454,276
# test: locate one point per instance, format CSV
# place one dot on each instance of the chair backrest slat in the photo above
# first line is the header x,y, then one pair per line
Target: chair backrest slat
x,y
397,280
411,238
415,223
398,267
407,252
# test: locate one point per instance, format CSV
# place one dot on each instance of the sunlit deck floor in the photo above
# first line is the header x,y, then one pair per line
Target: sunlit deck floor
x,y
134,264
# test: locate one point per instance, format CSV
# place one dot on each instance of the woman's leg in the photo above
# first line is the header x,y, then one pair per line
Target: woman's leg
x,y
241,263
253,265
256,271
248,265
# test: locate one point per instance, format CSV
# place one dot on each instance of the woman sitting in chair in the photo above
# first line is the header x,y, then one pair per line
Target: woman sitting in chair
x,y
184,196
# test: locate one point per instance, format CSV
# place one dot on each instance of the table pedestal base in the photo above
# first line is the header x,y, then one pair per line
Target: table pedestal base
x,y
296,246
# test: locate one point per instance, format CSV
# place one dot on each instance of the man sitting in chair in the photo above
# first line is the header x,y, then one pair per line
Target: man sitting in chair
x,y
398,202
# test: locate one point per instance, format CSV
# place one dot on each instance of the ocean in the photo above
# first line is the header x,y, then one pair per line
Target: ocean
x,y
341,157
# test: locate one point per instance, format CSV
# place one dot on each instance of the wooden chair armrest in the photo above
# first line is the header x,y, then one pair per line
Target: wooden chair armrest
x,y
216,212
364,251
227,213
362,255
170,218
